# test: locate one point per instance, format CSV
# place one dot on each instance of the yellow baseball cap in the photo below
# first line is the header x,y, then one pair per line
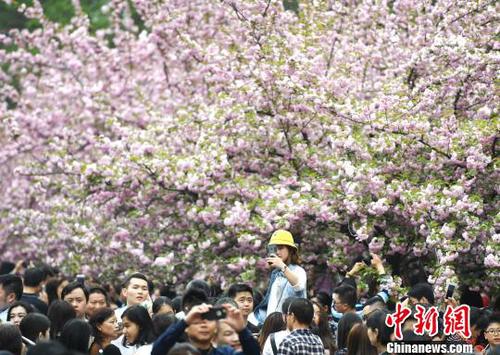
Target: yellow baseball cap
x,y
282,237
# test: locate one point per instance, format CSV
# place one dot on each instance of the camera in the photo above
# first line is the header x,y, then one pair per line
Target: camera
x,y
367,258
272,250
450,290
215,313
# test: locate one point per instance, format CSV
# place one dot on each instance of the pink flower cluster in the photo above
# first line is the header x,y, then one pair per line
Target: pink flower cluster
x,y
182,147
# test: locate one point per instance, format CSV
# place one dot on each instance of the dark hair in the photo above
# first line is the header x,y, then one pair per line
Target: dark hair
x,y
33,324
199,284
48,271
376,321
493,318
50,347
27,307
273,323
286,304
139,315
59,313
6,267
111,350
374,300
10,338
471,298
348,281
358,342
12,284
303,310
73,286
293,255
159,302
99,289
479,318
422,289
167,291
347,295
51,289
410,336
100,316
33,277
224,300
193,297
177,304
234,289
184,349
75,335
324,299
324,331
162,322
346,323
135,275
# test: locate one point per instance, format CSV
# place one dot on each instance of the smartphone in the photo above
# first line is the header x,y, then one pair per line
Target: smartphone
x,y
367,258
450,290
272,250
215,313
80,278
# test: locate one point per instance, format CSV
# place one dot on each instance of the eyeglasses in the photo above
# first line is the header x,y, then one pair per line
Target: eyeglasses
x,y
493,331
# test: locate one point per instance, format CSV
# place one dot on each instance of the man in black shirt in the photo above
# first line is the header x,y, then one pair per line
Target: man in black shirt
x,y
33,278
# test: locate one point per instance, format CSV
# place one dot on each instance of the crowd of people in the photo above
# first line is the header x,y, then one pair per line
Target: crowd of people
x,y
45,312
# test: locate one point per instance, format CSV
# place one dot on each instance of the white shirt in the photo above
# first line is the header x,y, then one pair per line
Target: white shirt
x,y
144,350
129,350
3,315
277,296
278,337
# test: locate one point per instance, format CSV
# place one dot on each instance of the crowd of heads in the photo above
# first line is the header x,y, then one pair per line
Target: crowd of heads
x,y
46,312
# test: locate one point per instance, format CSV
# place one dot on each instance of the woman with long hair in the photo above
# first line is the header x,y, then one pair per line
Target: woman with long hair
x,y
274,323
378,332
59,313
322,328
105,329
138,329
358,342
346,323
75,335
288,279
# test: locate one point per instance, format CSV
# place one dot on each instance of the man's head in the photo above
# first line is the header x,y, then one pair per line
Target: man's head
x,y
33,277
77,295
492,331
98,298
300,314
135,289
193,297
421,293
344,299
242,294
11,289
371,305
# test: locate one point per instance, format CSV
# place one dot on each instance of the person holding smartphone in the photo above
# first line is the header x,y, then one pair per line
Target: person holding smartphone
x,y
288,279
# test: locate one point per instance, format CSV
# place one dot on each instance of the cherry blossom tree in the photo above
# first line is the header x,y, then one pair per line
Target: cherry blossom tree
x,y
178,146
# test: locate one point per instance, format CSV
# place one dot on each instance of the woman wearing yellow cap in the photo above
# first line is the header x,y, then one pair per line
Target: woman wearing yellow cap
x,y
288,279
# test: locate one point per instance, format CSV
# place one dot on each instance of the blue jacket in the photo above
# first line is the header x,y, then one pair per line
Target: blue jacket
x,y
167,340
260,311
